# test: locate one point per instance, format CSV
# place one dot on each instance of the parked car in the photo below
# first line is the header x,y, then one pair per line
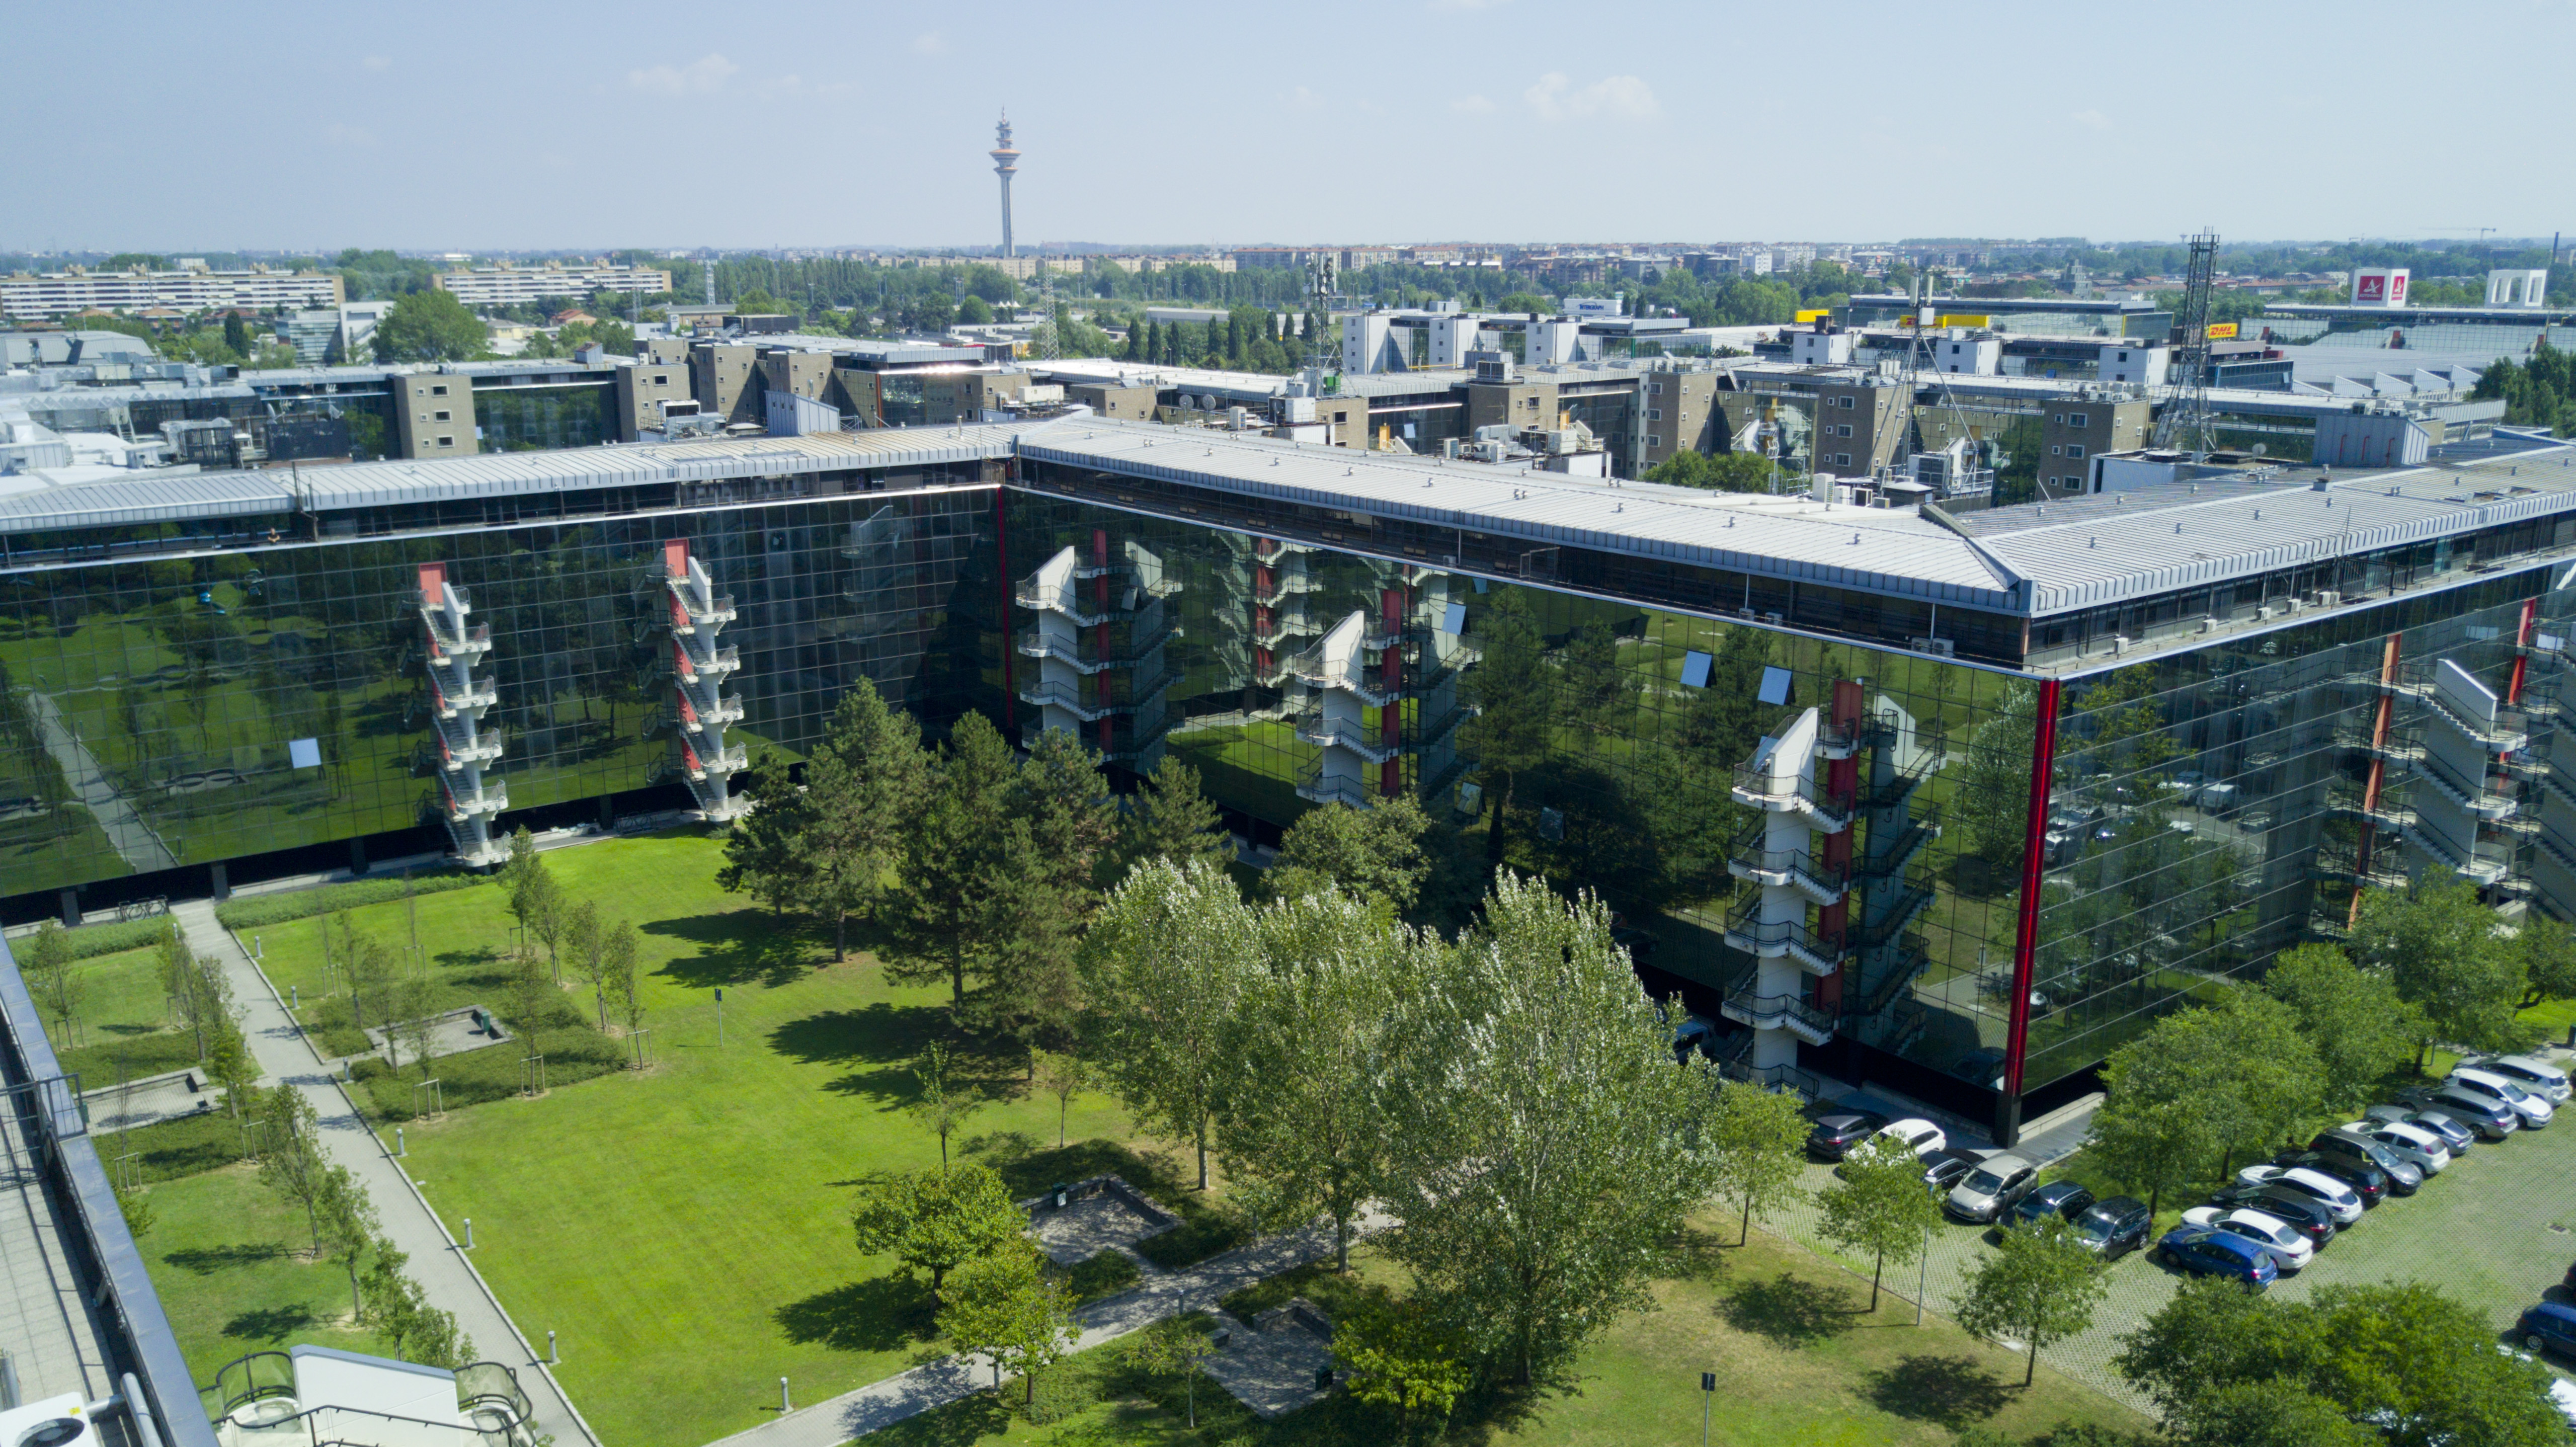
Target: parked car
x,y
2549,1326
2112,1229
2531,1073
1991,1189
2337,1196
1919,1136
1943,1169
2063,1199
1836,1134
2455,1137
2535,1112
2290,1247
2205,1252
2367,1181
2489,1117
2403,1179
2408,1142
2314,1218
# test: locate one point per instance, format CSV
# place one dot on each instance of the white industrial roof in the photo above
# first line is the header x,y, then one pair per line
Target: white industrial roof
x,y
1881,550
150,497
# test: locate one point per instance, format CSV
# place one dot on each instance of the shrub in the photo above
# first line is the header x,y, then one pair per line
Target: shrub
x,y
1105,1274
269,909
91,940
471,1077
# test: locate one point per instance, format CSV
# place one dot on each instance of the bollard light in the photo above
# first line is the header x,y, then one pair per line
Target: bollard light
x,y
552,1355
469,1233
784,1405
399,1150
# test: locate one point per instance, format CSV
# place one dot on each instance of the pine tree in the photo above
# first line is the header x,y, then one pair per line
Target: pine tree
x,y
957,848
1153,341
1170,819
862,788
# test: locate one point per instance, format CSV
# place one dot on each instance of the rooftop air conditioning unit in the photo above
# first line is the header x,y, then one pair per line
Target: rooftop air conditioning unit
x,y
2208,625
2293,605
2267,612
2119,644
1773,619
2328,597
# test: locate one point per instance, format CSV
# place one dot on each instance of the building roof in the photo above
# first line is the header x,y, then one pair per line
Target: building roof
x,y
149,497
1883,550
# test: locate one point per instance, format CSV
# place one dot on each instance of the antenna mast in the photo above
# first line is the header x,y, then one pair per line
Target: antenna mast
x,y
2185,423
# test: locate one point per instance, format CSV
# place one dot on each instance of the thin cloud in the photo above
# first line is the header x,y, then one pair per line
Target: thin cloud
x,y
929,43
702,76
1619,97
1472,105
2093,118
375,62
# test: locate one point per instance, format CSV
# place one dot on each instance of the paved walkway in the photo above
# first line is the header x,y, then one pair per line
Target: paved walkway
x,y
436,1263
950,1379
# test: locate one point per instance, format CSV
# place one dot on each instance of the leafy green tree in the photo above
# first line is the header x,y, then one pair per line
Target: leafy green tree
x,y
1399,1356
1512,691
1757,1142
2442,948
2548,950
1170,819
1376,854
46,962
1722,472
400,1313
348,1222
1992,801
2360,1029
236,335
429,326
1062,1074
582,933
1300,1132
229,1064
1878,1204
1003,1306
975,311
957,848
937,1220
942,1102
1167,959
1174,1347
1535,1125
617,954
2038,1288
2406,1357
766,852
290,1161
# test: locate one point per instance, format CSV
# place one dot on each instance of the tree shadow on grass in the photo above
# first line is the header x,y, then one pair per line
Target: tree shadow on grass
x,y
1951,1391
1789,1311
880,1034
207,1260
737,948
863,1316
271,1324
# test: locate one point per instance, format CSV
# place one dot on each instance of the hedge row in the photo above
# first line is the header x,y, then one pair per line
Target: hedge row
x,y
269,909
106,939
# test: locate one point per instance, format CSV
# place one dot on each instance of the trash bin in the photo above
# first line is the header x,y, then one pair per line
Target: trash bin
x,y
1058,1192
1323,1379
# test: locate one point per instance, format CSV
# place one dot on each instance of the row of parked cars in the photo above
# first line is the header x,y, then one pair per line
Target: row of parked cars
x,y
2274,1216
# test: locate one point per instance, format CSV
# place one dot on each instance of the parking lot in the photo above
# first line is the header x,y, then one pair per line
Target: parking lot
x,y
2497,1230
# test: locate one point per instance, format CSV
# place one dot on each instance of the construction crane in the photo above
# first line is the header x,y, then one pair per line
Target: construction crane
x,y
1920,315
2184,423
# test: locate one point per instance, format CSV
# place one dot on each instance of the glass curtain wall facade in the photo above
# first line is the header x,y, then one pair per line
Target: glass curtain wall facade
x,y
1593,741
188,711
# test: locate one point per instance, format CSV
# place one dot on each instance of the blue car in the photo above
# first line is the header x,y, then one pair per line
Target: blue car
x,y
2204,1252
2550,1326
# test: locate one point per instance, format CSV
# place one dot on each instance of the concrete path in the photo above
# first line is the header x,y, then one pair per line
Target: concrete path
x,y
450,1282
133,839
950,1379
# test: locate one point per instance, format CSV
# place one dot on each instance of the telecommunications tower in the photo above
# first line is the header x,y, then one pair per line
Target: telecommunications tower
x,y
1006,162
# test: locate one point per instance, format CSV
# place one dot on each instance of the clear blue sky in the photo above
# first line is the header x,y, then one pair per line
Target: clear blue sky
x,y
529,125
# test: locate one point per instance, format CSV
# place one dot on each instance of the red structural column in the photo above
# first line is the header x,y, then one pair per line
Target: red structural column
x,y
2381,720
2034,861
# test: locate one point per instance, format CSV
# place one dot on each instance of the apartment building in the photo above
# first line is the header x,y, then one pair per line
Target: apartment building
x,y
30,297
507,285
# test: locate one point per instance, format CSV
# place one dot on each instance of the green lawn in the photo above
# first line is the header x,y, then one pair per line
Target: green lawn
x,y
1798,1360
121,1030
227,1256
686,1229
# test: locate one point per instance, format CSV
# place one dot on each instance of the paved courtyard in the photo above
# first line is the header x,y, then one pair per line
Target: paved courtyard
x,y
1087,1227
1271,1366
2497,1230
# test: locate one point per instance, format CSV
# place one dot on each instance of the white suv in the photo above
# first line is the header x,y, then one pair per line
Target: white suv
x,y
2535,1112
2532,1073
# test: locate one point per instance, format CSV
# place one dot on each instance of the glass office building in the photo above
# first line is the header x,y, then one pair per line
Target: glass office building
x,y
1949,805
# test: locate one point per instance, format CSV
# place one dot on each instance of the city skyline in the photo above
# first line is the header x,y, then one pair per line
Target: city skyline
x,y
1676,123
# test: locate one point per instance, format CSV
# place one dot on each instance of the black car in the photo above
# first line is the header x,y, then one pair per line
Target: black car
x,y
2367,1181
2062,1199
2403,1179
2302,1211
1836,1134
2112,1229
1943,1169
